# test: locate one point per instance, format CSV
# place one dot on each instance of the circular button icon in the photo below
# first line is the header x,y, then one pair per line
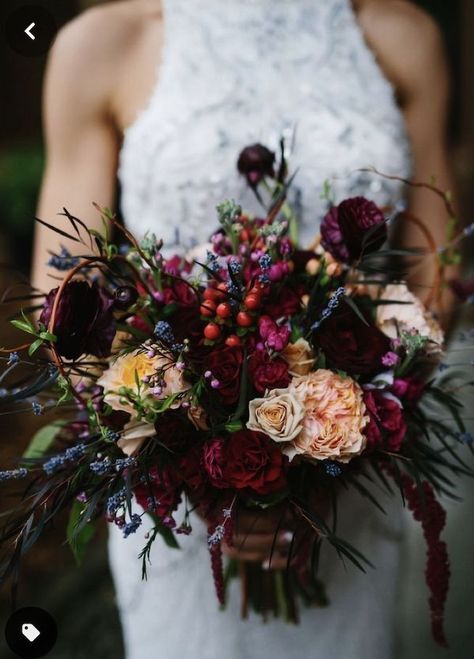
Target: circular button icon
x,y
30,30
31,632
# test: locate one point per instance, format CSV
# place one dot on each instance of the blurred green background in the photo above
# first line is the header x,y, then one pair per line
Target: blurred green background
x,y
83,600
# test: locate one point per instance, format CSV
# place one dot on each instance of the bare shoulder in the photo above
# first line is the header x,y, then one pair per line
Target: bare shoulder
x,y
406,39
93,47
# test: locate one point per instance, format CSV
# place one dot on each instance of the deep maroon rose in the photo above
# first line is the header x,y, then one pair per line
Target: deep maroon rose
x,y
267,373
331,236
409,389
255,162
386,427
286,304
362,225
161,494
351,345
84,322
213,455
174,431
254,462
192,470
225,365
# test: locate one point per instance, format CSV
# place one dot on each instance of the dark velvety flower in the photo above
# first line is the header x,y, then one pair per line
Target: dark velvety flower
x,y
350,344
84,321
409,389
225,365
174,431
285,304
267,373
214,461
125,296
255,162
331,236
161,494
254,462
386,427
355,227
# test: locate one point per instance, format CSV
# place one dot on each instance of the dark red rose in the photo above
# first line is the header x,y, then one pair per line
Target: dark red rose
x,y
267,373
175,431
409,389
161,494
362,225
386,427
286,304
351,345
254,462
255,162
225,365
192,470
331,236
84,323
213,455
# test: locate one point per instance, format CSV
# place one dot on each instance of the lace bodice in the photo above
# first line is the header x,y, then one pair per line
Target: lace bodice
x,y
235,72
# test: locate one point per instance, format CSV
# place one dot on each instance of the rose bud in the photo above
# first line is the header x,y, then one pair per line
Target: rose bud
x,y
125,296
84,321
255,162
362,225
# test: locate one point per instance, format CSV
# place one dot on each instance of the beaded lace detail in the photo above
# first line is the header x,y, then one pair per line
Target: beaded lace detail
x,y
235,72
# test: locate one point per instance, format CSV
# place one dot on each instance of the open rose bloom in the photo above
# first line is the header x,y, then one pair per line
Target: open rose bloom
x,y
260,374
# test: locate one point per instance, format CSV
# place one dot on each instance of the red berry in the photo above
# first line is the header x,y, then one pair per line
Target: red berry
x,y
208,308
210,294
222,287
233,341
212,331
244,319
252,301
224,310
244,236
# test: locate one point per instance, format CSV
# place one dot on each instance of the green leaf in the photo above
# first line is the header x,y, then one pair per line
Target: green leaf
x,y
36,345
78,539
233,426
24,327
42,440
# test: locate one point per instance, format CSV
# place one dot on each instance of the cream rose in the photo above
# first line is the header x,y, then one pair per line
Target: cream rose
x,y
412,315
299,357
127,369
134,435
279,415
335,416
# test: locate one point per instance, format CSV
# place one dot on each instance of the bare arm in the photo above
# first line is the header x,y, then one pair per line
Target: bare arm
x,y
81,141
410,49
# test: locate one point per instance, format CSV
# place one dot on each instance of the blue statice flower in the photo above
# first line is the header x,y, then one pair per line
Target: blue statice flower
x,y
332,468
13,474
63,261
125,463
334,302
111,435
38,410
216,537
75,452
13,358
212,262
100,467
163,332
235,267
132,526
116,501
265,261
54,464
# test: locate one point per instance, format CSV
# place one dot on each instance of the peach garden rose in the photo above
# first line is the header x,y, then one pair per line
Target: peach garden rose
x,y
299,357
335,416
279,415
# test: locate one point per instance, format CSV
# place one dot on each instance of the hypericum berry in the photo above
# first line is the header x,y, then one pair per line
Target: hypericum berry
x,y
208,308
224,310
212,331
233,341
211,294
252,301
244,236
222,287
244,319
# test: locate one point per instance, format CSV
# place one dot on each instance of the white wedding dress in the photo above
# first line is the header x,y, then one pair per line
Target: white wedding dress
x,y
236,72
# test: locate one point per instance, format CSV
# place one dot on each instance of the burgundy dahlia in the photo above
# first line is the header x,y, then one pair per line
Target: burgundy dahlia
x,y
362,226
84,321
386,427
267,373
255,162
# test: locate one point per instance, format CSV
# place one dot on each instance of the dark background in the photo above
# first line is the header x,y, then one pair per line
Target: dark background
x,y
83,601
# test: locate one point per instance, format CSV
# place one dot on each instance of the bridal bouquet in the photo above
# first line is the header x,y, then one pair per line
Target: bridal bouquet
x,y
253,374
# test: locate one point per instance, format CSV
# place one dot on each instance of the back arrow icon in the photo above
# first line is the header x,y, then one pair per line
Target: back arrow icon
x,y
29,32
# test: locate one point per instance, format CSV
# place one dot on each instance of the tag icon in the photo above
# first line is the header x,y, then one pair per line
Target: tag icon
x,y
30,632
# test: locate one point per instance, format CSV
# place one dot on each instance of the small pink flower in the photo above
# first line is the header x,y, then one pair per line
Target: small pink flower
x,y
275,337
390,359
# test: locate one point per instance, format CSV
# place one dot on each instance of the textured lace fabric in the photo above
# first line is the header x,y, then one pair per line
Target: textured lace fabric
x,y
236,72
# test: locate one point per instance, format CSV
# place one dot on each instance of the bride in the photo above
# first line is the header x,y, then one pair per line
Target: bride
x,y
166,93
